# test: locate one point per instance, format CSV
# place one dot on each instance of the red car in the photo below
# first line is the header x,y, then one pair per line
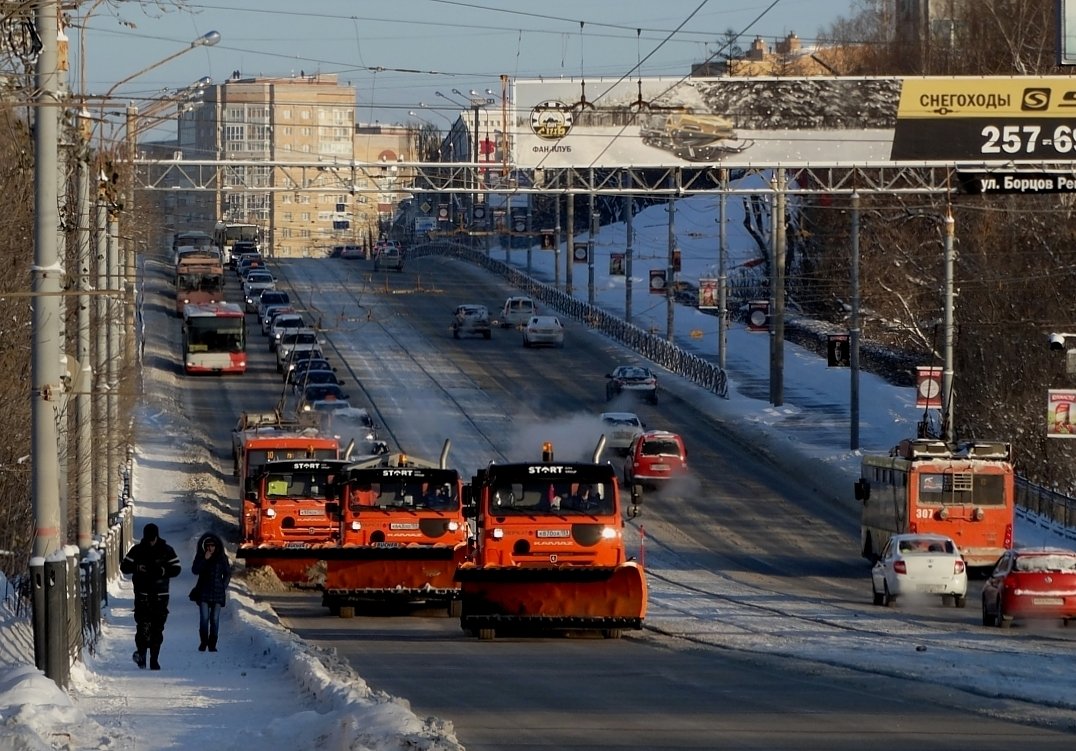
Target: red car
x,y
654,457
1031,583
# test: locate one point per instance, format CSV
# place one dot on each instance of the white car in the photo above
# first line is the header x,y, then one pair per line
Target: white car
x,y
293,341
543,330
920,564
620,429
517,311
256,282
285,323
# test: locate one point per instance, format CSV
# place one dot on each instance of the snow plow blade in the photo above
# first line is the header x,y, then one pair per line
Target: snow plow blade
x,y
299,565
417,573
605,598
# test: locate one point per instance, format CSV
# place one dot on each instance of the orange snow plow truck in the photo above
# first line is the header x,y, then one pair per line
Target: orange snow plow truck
x,y
402,534
288,525
274,516
549,551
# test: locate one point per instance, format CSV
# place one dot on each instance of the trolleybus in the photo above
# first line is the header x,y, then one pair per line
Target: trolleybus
x,y
966,491
214,338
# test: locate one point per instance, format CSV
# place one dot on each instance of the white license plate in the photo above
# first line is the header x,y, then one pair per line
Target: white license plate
x,y
310,512
553,533
1048,601
660,467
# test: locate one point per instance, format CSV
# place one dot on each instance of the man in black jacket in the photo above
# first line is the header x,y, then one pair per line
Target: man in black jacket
x,y
150,563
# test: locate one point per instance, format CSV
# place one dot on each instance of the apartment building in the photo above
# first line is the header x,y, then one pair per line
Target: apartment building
x,y
301,118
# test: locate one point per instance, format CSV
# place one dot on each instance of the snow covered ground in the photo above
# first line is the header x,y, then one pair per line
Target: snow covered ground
x,y
267,689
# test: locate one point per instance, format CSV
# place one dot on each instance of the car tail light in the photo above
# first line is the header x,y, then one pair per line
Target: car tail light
x,y
958,567
913,527
1008,537
900,567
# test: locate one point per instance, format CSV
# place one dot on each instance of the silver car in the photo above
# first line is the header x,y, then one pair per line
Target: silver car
x,y
620,429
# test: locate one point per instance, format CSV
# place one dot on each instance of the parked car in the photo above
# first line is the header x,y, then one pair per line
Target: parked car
x,y
621,428
517,311
632,379
543,330
1031,583
352,251
925,564
292,342
654,457
389,256
471,319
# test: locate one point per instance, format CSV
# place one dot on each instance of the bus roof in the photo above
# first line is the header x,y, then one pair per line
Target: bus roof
x,y
213,310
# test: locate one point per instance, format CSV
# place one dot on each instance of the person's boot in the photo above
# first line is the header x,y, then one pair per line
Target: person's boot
x,y
204,641
139,657
153,664
213,644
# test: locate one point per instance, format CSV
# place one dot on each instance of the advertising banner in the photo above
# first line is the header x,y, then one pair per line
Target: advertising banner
x,y
616,264
928,387
657,282
763,122
708,294
1061,413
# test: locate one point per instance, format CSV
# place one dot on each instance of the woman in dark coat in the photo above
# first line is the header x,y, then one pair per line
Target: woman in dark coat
x,y
214,571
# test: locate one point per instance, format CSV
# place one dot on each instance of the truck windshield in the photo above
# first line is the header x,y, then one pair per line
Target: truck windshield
x,y
432,490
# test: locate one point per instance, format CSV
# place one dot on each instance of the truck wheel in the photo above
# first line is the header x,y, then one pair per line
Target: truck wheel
x,y
613,633
487,634
455,608
346,611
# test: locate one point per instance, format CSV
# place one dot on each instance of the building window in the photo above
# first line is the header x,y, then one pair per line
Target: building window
x,y
305,216
304,233
304,114
285,198
286,216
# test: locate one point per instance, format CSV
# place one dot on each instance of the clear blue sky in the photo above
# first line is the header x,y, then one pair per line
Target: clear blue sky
x,y
389,49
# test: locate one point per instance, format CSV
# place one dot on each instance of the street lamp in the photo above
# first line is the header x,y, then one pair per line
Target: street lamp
x,y
209,39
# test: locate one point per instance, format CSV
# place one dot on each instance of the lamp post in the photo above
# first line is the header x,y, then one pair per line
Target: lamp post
x,y
105,379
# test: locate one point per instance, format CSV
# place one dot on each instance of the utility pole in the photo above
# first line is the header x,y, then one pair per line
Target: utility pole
x,y
46,387
853,332
722,273
590,242
948,406
83,383
556,236
669,273
629,216
777,292
569,244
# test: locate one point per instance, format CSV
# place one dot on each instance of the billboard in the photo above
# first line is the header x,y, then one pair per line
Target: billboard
x,y
766,122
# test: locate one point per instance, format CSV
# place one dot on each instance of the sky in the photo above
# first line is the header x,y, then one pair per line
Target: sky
x,y
400,54
289,693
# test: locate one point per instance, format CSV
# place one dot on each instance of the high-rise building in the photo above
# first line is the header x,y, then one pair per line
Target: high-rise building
x,y
303,118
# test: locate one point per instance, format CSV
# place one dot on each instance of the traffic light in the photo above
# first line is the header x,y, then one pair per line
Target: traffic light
x,y
838,353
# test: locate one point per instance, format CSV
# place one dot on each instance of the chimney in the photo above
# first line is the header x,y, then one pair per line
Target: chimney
x,y
790,45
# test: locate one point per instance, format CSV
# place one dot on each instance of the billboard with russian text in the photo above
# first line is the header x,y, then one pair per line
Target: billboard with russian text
x,y
767,122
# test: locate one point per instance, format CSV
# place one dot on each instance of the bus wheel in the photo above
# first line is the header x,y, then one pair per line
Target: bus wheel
x,y
960,600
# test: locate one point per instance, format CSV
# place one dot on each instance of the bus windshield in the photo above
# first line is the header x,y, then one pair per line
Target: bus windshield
x,y
215,335
431,489
961,488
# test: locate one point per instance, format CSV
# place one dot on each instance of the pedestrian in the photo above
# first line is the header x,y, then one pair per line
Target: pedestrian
x,y
214,571
150,564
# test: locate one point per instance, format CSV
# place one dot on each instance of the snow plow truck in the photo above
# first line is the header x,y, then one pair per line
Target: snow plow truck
x,y
549,552
287,524
402,535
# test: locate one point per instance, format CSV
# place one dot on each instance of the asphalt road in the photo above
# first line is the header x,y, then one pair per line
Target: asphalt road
x,y
744,516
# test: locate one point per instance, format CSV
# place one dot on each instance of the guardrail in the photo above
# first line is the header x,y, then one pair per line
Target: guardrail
x,y
657,349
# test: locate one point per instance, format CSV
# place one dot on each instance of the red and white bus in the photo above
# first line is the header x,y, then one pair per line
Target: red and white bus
x,y
965,491
214,338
